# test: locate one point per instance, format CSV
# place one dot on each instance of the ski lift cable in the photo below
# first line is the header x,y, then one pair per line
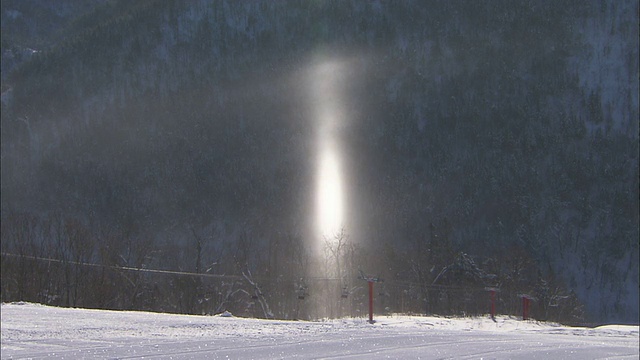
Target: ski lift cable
x,y
220,276
125,268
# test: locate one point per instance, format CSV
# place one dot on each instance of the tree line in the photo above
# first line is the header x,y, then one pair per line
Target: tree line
x,y
62,262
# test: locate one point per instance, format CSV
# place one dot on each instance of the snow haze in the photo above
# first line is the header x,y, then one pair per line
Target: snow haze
x,y
37,331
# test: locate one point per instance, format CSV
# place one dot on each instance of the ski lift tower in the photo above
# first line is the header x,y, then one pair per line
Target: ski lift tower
x,y
370,280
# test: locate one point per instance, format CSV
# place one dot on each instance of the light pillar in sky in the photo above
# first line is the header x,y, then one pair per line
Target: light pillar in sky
x,y
330,197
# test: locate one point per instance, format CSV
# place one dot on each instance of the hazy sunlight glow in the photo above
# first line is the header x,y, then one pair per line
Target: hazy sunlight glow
x,y
326,95
329,194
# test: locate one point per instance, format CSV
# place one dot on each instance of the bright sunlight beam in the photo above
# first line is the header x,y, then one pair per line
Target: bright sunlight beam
x,y
327,98
329,194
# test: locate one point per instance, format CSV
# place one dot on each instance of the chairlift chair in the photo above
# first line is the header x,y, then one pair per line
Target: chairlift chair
x,y
302,293
256,295
345,292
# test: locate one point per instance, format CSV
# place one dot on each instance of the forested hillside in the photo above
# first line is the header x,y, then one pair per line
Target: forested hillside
x,y
181,136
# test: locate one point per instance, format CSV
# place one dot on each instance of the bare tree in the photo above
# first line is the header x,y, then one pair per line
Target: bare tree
x,y
258,295
339,263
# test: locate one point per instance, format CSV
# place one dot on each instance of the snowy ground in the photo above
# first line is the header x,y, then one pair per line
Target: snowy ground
x,y
37,331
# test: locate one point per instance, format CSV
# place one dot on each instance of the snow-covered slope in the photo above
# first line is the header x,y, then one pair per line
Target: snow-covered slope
x,y
37,331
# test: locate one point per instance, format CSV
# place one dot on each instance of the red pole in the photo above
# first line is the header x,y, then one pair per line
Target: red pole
x,y
370,301
525,308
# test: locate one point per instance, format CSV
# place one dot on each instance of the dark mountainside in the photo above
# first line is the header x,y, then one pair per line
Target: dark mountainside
x,y
489,143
